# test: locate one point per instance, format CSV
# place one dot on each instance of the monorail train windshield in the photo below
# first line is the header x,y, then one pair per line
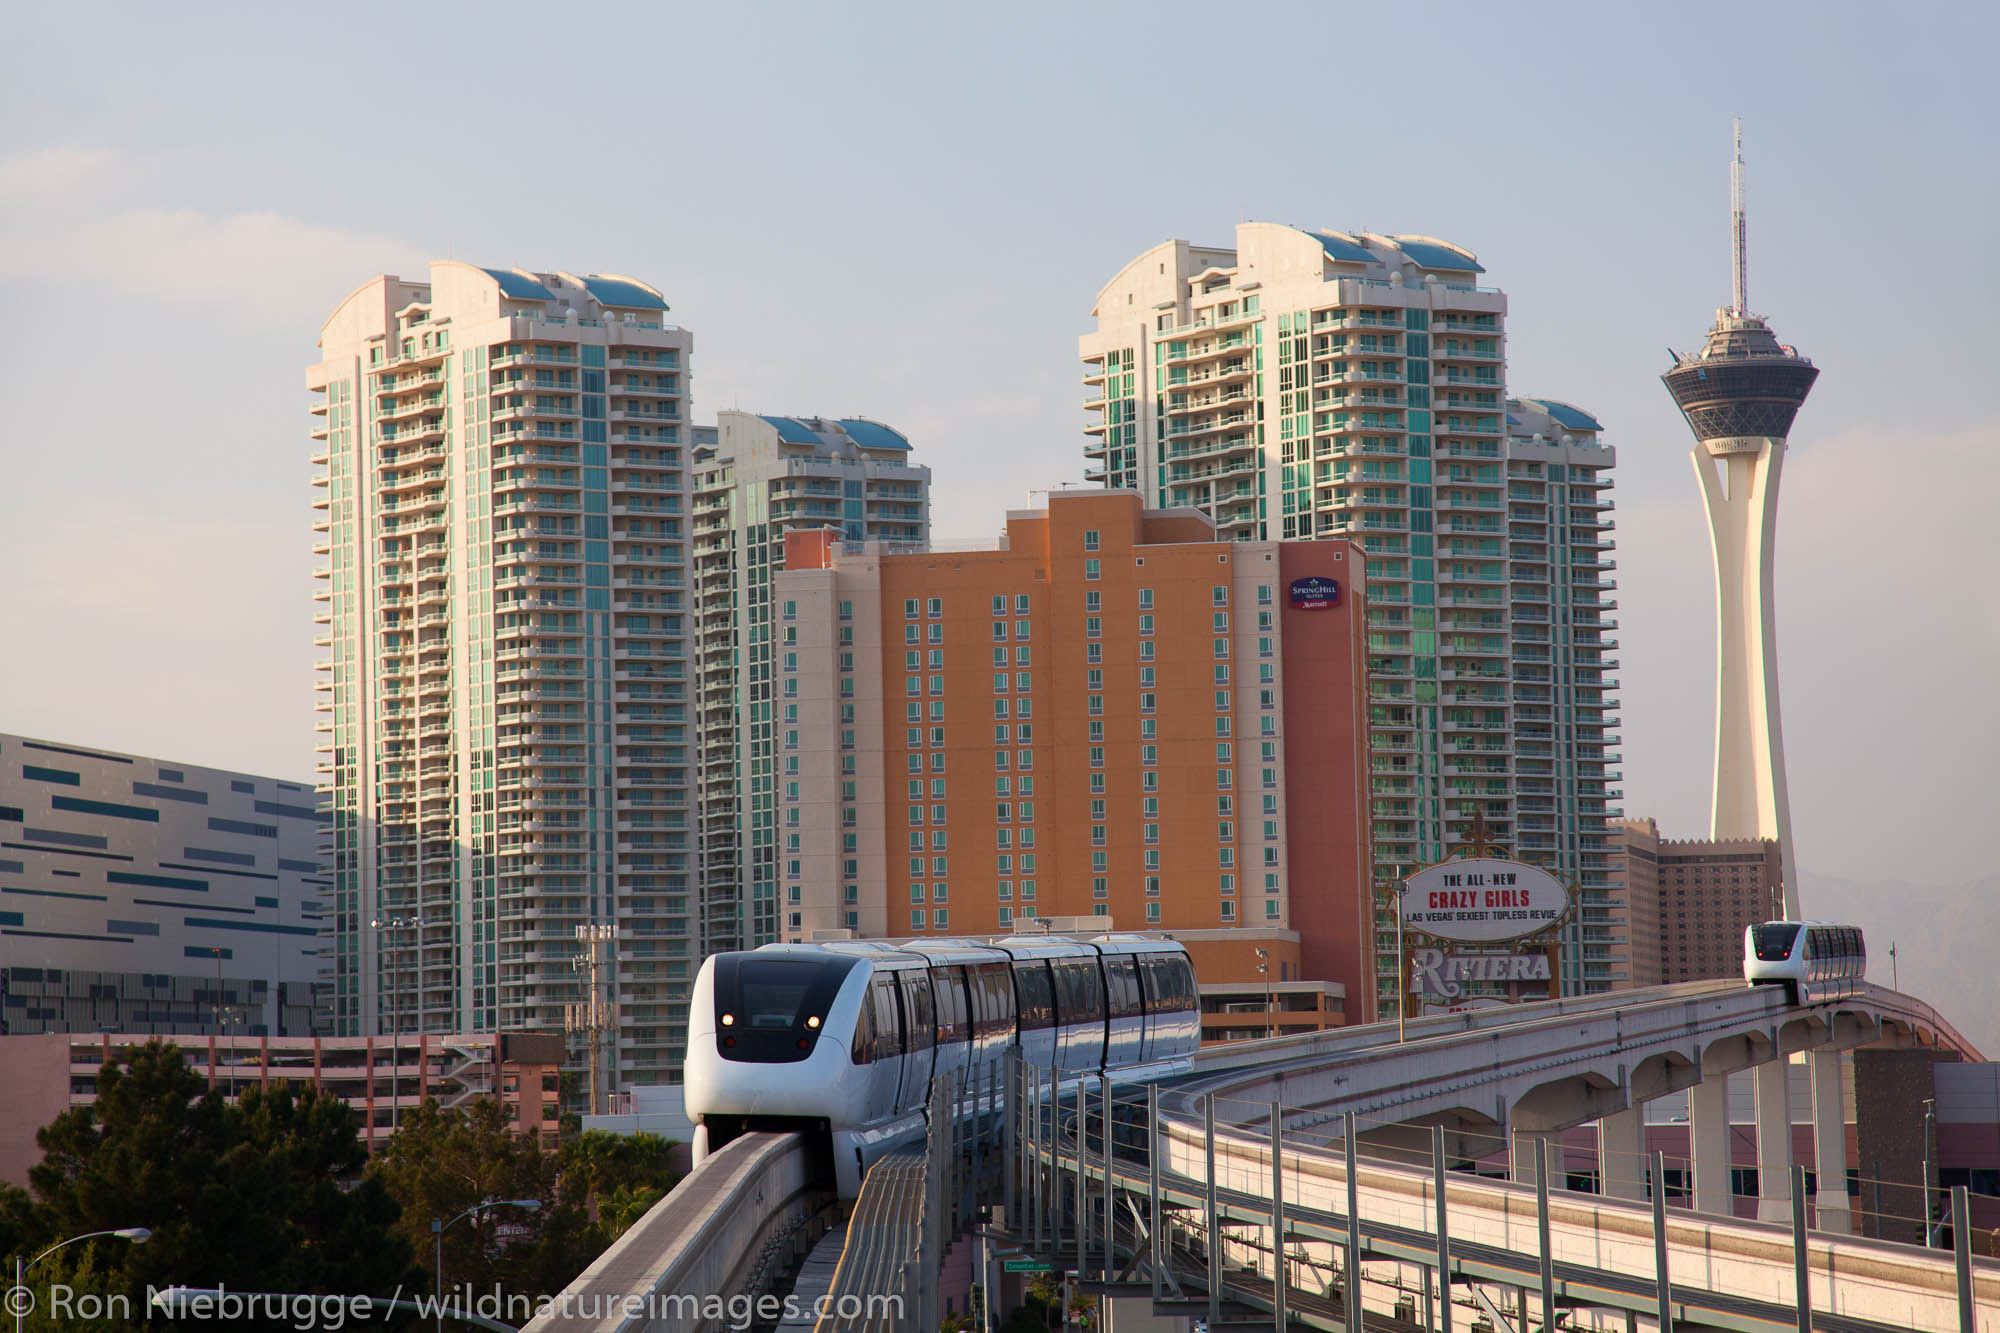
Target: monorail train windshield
x,y
770,1010
1774,940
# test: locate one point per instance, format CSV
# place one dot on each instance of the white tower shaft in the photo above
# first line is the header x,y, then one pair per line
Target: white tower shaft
x,y
1739,487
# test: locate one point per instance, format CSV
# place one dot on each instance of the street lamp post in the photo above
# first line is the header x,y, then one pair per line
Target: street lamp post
x,y
1930,1113
438,1228
137,1235
1264,968
395,1031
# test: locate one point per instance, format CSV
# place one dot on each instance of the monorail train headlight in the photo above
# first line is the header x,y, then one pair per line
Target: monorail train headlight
x,y
729,1020
813,1022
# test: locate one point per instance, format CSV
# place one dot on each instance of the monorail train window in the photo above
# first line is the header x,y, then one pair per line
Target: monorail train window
x,y
1773,940
993,998
888,1020
1169,984
769,1009
861,1050
948,985
1034,995
1079,991
1121,984
920,1016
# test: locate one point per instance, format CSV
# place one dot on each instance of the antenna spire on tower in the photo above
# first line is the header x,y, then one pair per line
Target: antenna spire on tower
x,y
1740,292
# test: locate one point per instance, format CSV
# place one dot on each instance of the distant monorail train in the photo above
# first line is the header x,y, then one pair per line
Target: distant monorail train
x,y
844,1038
1813,960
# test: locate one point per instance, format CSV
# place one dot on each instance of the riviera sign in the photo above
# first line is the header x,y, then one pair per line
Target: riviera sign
x,y
1483,900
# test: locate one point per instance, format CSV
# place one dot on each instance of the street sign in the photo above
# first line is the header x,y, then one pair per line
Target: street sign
x,y
1023,1266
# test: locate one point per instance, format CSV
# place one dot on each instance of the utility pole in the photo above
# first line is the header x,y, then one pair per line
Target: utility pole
x,y
592,1017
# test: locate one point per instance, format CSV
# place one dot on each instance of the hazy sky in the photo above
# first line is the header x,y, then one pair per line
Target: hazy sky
x,y
906,212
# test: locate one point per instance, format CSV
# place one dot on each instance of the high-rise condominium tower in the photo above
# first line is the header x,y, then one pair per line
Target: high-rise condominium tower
x,y
1323,384
1739,394
757,478
501,512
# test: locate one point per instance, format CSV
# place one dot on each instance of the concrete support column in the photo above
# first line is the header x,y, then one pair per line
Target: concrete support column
x,y
1521,1169
1774,1142
1829,1144
1621,1153
1708,1143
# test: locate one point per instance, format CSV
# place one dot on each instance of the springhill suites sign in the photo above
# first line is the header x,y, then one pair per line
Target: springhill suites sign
x,y
1315,593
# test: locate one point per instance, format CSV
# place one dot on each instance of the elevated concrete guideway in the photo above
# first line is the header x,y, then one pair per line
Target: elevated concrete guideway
x,y
1529,1071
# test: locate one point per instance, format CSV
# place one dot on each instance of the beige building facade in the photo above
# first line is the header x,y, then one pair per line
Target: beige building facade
x,y
501,468
1306,385
1688,900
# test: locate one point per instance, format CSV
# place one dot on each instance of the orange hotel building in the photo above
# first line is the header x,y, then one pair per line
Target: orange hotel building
x,y
1111,715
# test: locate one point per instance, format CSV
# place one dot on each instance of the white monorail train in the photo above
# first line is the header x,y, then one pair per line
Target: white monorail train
x,y
845,1038
1813,960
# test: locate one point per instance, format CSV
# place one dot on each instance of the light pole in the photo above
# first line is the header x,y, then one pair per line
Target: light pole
x,y
1930,1112
1396,888
395,1031
438,1229
1264,969
137,1235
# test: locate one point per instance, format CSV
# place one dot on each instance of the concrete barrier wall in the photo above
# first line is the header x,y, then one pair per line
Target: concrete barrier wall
x,y
679,1266
1873,1280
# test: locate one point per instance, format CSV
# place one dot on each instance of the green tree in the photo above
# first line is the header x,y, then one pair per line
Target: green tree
x,y
444,1160
267,1194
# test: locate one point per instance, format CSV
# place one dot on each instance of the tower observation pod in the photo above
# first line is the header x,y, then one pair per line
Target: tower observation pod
x,y
1739,395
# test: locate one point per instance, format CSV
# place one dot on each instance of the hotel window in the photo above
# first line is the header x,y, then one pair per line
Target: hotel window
x,y
1006,892
940,893
1090,539
916,918
1097,756
1145,650
1270,883
999,682
1145,599
1000,605
1152,913
936,607
1152,886
1006,914
1097,860
1220,596
916,893
1028,893
1023,657
1100,887
1228,911
1149,754
1222,647
1020,604
1145,625
909,608
1093,627
1092,570
1263,594
1000,631
1152,833
1149,782
936,634
1021,629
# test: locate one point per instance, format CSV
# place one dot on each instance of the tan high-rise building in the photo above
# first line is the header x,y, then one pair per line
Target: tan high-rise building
x,y
1688,900
1304,385
1113,716
503,500
758,478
